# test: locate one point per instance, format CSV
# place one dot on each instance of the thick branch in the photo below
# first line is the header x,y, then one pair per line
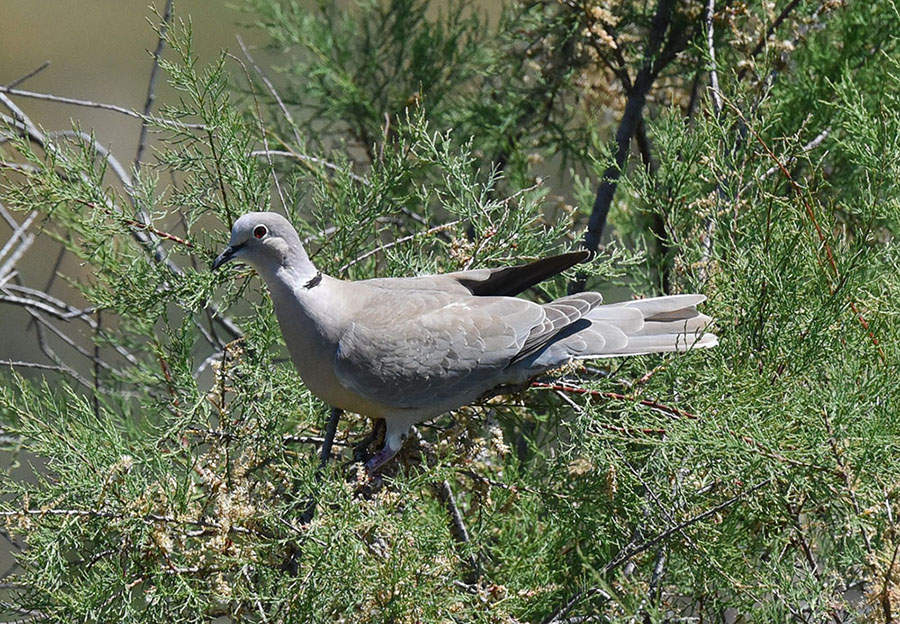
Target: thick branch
x,y
631,117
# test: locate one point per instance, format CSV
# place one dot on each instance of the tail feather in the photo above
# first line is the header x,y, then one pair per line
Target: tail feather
x,y
663,307
656,325
688,325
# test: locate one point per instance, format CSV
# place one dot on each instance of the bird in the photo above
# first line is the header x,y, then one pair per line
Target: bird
x,y
408,349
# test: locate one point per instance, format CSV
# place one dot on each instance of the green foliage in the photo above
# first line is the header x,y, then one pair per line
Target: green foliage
x,y
757,481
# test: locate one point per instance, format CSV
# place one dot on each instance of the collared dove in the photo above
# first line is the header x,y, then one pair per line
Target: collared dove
x,y
409,349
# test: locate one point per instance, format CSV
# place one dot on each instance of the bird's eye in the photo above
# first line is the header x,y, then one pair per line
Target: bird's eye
x,y
259,231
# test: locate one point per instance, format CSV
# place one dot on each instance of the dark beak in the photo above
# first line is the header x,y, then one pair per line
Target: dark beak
x,y
223,257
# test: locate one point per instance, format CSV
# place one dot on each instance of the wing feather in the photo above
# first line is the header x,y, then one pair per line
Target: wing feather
x,y
419,349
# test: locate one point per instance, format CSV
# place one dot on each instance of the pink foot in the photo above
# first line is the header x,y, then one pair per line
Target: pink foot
x,y
380,459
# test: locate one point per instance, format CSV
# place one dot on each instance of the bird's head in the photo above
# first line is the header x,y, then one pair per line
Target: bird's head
x,y
264,240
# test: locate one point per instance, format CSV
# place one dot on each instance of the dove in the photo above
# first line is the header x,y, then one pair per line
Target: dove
x,y
408,349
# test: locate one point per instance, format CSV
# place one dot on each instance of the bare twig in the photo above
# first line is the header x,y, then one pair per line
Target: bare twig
x,y
20,364
785,12
711,51
151,84
272,90
40,305
398,241
170,123
34,72
628,553
259,118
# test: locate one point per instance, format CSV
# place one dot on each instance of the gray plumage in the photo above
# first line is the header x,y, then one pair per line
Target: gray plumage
x,y
410,349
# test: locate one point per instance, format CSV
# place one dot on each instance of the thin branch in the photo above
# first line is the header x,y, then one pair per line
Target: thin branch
x,y
96,368
171,123
71,343
558,616
310,159
832,263
20,364
43,307
34,72
457,528
716,96
808,147
149,518
628,553
259,119
151,85
672,411
711,51
20,167
138,224
654,61
628,431
771,29
272,90
398,241
289,438
19,234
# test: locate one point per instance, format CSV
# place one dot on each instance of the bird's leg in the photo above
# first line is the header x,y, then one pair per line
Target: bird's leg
x,y
379,459
394,437
360,448
330,431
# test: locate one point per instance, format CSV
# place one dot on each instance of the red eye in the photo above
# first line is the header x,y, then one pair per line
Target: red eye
x,y
259,231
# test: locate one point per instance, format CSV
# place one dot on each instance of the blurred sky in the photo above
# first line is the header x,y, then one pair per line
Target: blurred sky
x,y
99,50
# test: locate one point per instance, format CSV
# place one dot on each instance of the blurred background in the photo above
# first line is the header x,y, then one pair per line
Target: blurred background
x,y
100,51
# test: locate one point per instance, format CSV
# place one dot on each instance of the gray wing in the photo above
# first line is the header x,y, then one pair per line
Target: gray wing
x,y
424,348
501,282
416,349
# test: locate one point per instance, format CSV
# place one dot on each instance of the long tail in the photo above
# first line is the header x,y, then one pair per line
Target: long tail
x,y
637,327
656,325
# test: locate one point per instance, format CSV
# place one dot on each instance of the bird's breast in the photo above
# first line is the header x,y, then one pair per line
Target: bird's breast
x,y
312,333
